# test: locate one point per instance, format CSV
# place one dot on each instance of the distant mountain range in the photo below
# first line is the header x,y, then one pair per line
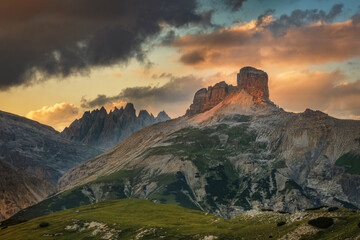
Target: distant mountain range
x,y
233,151
34,156
105,130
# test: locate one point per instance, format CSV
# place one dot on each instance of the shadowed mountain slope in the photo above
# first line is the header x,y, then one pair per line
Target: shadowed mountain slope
x,y
34,156
105,130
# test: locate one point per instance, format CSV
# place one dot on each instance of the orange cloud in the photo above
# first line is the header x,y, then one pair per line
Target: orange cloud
x,y
251,44
298,90
58,116
115,74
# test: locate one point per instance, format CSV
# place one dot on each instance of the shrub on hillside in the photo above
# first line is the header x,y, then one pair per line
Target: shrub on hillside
x,y
321,222
333,209
315,208
44,224
281,223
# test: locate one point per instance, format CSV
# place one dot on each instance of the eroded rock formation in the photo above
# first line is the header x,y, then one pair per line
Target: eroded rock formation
x,y
255,82
206,99
252,80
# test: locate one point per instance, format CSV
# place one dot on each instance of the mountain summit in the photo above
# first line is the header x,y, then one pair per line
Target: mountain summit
x,y
101,129
250,80
255,82
233,151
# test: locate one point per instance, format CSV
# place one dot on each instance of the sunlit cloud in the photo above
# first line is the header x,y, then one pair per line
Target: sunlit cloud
x,y
115,74
58,116
253,44
298,90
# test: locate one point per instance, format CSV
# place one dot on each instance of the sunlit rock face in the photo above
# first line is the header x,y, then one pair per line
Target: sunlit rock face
x,y
255,82
206,99
249,79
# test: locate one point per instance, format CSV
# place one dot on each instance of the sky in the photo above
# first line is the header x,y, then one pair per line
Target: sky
x,y
60,58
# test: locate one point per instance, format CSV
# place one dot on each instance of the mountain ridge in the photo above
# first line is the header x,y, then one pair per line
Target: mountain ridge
x,y
101,129
34,156
243,153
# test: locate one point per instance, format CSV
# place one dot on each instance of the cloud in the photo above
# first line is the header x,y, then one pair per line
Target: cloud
x,y
234,5
193,57
299,18
58,116
115,74
329,92
255,44
40,39
162,75
174,96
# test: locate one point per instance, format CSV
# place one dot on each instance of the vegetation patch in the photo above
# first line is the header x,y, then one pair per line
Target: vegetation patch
x,y
282,223
141,219
279,164
351,162
333,209
321,222
44,224
316,208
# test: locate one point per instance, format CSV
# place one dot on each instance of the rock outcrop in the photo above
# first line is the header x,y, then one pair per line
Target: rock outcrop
x,y
206,99
249,79
255,82
105,130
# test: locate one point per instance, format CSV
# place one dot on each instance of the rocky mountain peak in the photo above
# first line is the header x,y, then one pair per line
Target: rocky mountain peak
x,y
101,129
249,79
162,116
143,114
255,82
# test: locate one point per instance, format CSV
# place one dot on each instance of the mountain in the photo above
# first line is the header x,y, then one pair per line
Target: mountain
x,y
33,157
233,151
101,129
19,190
129,219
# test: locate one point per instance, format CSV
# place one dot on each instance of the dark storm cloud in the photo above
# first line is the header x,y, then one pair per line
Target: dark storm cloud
x,y
176,90
299,18
169,37
59,38
194,57
261,18
234,5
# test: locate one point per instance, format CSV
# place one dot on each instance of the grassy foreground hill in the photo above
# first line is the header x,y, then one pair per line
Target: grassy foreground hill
x,y
142,219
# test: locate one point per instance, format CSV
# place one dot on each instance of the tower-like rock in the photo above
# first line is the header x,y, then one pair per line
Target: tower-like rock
x,y
255,82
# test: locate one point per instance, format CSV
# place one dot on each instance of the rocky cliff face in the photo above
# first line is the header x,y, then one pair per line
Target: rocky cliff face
x,y
34,156
98,128
255,82
19,189
249,79
206,99
243,153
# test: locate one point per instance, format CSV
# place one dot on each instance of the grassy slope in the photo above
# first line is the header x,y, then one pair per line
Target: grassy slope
x,y
128,218
351,162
